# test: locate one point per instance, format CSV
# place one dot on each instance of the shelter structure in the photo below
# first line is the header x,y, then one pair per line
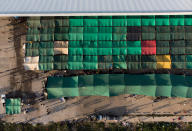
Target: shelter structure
x,y
133,35
109,42
13,106
119,84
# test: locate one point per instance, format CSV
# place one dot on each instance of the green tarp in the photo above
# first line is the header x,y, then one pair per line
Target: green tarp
x,y
93,55
13,106
105,62
61,25
148,33
105,20
119,21
161,20
34,22
148,20
118,84
32,49
60,62
62,21
188,20
107,42
176,20
162,47
162,33
65,87
133,21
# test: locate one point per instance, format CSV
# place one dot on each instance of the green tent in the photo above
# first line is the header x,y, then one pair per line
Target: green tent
x,y
13,106
118,84
62,87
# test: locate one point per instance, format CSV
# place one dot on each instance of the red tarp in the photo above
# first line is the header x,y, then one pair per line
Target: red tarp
x,y
148,47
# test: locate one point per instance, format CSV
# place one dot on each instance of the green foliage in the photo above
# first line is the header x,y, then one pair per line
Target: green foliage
x,y
60,126
95,126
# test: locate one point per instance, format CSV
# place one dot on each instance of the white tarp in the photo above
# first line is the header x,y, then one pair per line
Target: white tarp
x,y
31,63
61,47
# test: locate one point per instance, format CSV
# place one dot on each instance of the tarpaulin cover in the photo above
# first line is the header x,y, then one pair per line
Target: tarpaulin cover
x,y
31,49
33,22
109,42
105,62
177,47
162,33
134,47
118,84
163,61
134,62
60,62
148,47
62,87
133,21
104,20
189,61
148,62
177,33
176,20
13,106
62,21
75,21
162,47
119,62
148,33
47,22
134,33
119,21
188,33
162,20
188,20
148,20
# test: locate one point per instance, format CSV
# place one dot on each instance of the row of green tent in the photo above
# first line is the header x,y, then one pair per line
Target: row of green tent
x,y
118,84
112,48
129,62
162,20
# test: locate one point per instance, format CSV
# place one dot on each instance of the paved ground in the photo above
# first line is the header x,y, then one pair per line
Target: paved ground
x,y
29,86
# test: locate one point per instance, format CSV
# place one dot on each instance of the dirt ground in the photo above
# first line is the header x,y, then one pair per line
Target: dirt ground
x,y
29,86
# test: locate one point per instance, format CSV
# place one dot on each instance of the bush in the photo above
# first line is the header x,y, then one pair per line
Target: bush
x,y
95,126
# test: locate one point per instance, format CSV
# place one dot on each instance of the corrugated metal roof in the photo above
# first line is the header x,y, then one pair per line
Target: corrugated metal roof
x,y
78,7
